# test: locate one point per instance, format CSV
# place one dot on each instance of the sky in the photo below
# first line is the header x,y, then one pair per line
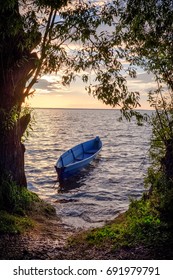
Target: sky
x,y
49,93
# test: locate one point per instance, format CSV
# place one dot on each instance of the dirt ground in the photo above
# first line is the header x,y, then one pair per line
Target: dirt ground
x,y
49,241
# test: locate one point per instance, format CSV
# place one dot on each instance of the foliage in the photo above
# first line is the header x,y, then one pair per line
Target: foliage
x,y
94,39
140,225
147,28
162,124
160,176
8,119
147,32
14,224
161,197
66,37
43,31
15,199
100,54
159,180
40,37
20,208
25,111
15,202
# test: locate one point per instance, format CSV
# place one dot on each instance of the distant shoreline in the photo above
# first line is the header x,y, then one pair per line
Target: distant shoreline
x,y
101,109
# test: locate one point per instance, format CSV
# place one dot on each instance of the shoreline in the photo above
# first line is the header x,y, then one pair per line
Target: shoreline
x,y
50,239
48,233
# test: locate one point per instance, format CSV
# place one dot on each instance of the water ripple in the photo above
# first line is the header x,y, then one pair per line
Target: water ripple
x,y
103,189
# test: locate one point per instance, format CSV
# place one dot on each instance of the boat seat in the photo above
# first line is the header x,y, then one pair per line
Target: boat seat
x,y
78,158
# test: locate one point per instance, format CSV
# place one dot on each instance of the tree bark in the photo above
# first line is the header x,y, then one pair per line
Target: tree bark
x,y
17,64
12,87
12,152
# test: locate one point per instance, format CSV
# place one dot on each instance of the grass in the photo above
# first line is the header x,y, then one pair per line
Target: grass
x,y
139,226
14,224
142,226
18,207
16,199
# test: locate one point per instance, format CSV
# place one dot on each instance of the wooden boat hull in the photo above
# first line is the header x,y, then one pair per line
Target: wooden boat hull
x,y
77,158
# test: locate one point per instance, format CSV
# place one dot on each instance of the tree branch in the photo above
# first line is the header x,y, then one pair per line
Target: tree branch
x,y
42,56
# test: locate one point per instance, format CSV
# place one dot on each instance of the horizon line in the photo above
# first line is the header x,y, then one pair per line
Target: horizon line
x,y
78,108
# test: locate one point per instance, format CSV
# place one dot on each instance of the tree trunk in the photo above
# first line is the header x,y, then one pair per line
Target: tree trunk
x,y
12,152
12,126
17,64
167,162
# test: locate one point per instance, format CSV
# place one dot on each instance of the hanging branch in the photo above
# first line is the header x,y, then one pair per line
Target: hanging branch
x,y
43,53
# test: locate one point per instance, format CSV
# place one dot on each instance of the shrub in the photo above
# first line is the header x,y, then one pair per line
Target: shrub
x,y
15,199
14,224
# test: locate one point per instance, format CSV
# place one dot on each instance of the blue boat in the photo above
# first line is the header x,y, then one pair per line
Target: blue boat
x,y
77,158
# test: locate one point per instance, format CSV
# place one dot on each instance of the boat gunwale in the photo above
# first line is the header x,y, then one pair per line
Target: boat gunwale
x,y
66,170
82,160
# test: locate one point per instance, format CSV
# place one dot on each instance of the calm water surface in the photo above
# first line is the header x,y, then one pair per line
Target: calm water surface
x,y
103,189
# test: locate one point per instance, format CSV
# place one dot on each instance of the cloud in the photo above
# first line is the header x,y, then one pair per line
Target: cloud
x,y
143,83
50,84
51,93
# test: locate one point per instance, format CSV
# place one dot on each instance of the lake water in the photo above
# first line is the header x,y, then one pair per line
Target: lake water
x,y
102,190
